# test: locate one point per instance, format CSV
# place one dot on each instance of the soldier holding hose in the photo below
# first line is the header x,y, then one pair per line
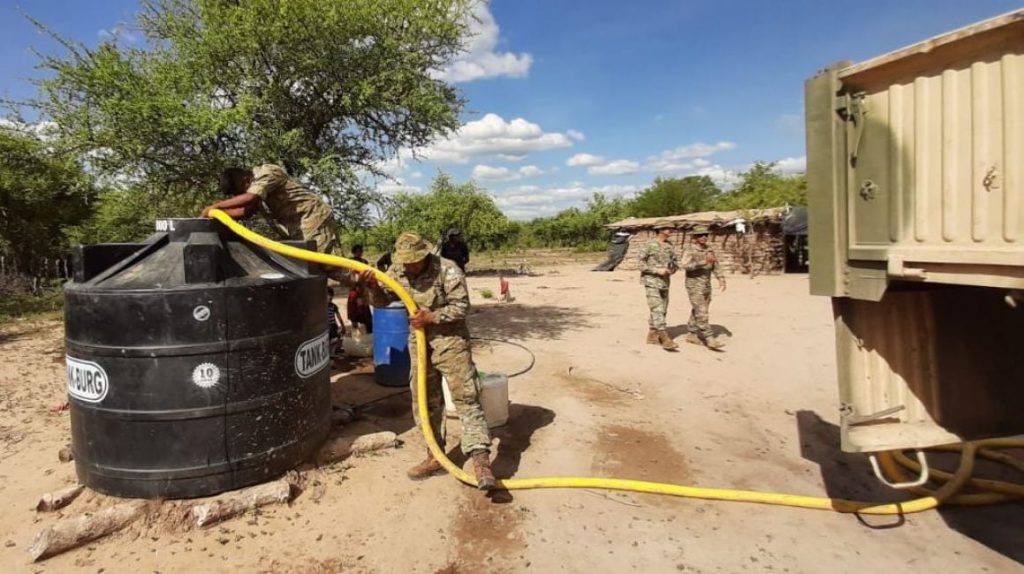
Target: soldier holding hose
x,y
438,287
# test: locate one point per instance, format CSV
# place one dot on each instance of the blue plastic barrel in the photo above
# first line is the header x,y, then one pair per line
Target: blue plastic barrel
x,y
391,345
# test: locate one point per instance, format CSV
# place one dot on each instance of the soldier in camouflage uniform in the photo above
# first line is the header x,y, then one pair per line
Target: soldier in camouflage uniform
x,y
657,264
298,211
700,264
438,287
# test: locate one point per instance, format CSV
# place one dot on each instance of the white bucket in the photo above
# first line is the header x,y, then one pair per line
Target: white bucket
x,y
493,398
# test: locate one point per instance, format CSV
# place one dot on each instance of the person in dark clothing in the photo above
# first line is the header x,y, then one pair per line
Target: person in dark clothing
x,y
455,249
384,262
357,254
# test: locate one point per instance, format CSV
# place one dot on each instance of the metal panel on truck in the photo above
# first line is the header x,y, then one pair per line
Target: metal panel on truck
x,y
916,216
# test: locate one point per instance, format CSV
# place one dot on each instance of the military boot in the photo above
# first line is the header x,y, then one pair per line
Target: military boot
x,y
652,336
482,466
666,342
694,339
715,345
429,467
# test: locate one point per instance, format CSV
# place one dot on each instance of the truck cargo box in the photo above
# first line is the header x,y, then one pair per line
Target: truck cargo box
x,y
916,216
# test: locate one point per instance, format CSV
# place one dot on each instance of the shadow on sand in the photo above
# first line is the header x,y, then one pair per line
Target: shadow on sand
x,y
849,475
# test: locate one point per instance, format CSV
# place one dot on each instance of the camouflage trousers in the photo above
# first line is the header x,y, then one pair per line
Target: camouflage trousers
x,y
700,300
326,237
451,356
657,300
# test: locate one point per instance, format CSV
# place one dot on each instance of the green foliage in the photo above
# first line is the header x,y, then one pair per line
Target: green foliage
x,y
676,196
487,294
465,206
19,304
127,215
761,186
576,227
327,88
42,195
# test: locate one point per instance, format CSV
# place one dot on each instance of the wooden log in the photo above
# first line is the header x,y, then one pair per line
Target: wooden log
x,y
232,504
56,500
346,446
74,532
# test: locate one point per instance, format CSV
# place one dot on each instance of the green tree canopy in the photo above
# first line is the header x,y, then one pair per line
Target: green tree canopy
x,y
327,88
762,186
676,196
575,227
42,195
447,204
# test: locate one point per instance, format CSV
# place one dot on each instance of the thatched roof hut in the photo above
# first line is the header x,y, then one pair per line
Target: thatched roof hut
x,y
745,240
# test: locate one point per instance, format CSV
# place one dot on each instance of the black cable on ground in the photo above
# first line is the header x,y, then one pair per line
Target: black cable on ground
x,y
533,358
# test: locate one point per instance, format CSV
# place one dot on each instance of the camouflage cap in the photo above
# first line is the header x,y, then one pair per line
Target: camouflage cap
x,y
700,230
662,224
410,248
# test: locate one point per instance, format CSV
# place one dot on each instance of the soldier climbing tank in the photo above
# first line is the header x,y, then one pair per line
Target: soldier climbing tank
x,y
196,363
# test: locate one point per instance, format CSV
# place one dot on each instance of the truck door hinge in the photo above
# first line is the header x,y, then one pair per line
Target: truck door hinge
x,y
853,108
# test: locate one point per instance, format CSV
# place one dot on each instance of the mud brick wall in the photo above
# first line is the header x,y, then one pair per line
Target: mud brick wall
x,y
761,248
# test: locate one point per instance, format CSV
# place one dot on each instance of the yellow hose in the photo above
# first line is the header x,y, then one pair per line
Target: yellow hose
x,y
993,491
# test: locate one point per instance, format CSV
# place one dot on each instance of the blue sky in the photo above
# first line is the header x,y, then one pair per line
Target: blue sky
x,y
568,98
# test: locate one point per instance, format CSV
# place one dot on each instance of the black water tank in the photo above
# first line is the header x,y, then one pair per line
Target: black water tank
x,y
196,363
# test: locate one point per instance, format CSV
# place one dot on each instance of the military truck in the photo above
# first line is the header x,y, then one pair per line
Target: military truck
x,y
915,174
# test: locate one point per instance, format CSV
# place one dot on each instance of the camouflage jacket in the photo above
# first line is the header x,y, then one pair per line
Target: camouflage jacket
x,y
297,209
655,256
698,272
440,288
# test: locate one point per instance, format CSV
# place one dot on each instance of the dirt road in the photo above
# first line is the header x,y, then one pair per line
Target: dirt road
x,y
599,402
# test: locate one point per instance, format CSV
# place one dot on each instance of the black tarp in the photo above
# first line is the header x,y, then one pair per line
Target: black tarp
x,y
795,222
617,248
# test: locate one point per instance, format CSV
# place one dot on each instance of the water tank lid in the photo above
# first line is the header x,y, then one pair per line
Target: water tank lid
x,y
187,252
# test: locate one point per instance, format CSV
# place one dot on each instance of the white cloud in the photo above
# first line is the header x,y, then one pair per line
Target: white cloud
x,y
725,178
576,135
486,172
791,165
118,33
685,158
44,130
395,187
416,175
480,60
534,171
492,135
585,159
680,160
529,201
494,173
699,149
617,167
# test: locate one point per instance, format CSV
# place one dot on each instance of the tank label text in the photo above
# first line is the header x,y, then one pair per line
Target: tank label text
x,y
312,356
164,225
206,375
87,381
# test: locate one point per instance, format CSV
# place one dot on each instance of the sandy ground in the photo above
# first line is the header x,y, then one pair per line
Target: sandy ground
x,y
599,402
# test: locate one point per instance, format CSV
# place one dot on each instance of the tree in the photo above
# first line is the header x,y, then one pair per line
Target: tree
x,y
447,204
676,196
42,195
762,186
327,88
576,227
